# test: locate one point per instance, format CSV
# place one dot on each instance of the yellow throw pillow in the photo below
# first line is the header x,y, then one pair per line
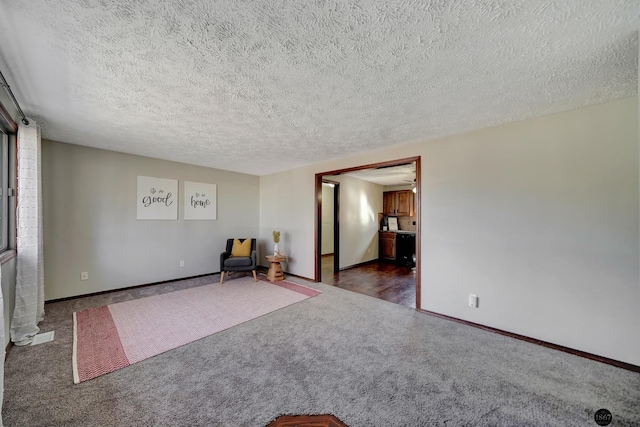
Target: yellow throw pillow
x,y
241,249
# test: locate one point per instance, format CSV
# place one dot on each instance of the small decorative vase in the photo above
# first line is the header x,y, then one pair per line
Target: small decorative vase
x,y
275,250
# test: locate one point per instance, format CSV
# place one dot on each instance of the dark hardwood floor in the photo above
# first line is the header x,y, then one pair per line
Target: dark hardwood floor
x,y
379,279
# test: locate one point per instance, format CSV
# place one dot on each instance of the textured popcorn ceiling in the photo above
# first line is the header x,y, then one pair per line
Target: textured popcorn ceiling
x,y
387,175
263,86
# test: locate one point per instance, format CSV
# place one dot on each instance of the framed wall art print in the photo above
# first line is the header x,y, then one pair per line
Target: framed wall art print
x,y
200,201
157,198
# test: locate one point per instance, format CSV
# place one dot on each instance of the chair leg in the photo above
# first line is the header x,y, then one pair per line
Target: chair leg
x,y
255,279
221,277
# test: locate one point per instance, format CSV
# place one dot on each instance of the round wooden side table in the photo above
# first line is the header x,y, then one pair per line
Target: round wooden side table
x,y
275,273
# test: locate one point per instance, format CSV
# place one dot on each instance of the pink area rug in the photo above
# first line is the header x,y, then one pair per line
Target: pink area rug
x,y
117,335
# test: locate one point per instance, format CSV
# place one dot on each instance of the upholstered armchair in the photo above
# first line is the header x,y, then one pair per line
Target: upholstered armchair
x,y
240,255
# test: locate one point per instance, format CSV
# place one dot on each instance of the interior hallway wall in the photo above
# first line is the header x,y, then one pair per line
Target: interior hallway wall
x,y
360,203
328,225
538,217
90,223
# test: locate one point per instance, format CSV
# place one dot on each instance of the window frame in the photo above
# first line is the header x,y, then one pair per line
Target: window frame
x,y
5,192
9,140
8,179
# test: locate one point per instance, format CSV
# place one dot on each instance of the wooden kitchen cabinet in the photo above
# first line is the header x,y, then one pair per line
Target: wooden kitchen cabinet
x,y
404,203
387,245
388,202
398,203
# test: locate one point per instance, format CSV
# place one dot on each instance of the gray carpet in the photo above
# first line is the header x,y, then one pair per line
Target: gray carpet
x,y
367,361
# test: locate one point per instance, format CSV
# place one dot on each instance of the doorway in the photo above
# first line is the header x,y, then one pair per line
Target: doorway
x,y
389,272
330,229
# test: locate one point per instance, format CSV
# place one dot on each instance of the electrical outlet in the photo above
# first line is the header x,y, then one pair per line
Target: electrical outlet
x,y
473,300
181,263
84,275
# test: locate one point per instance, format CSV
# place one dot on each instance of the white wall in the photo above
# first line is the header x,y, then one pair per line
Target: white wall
x,y
90,224
360,203
538,217
327,219
8,295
